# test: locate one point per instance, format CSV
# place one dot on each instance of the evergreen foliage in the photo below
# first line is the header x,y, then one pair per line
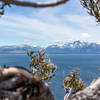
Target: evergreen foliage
x,y
41,66
74,81
93,7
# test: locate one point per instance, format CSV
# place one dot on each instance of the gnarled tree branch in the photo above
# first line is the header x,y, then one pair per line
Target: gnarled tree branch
x,y
92,92
34,4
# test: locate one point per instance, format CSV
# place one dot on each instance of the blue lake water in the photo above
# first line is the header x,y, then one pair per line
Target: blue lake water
x,y
89,65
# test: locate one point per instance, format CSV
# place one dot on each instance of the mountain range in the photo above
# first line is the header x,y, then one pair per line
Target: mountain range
x,y
17,49
76,47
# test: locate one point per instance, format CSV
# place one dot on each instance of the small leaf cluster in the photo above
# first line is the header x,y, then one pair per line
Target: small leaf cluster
x,y
1,12
2,6
41,66
93,7
73,80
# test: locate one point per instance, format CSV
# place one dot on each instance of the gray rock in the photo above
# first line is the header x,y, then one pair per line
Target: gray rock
x,y
17,83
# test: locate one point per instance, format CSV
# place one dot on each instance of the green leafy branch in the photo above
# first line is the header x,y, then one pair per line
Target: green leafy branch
x,y
93,7
73,80
41,66
2,6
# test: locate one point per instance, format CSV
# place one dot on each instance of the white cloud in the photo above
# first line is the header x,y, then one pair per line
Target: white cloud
x,y
60,42
29,42
85,36
31,28
46,25
84,21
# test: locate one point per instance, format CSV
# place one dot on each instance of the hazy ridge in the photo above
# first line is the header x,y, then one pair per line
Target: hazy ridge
x,y
76,47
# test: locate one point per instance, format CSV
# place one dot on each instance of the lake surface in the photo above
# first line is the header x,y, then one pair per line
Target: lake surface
x,y
89,65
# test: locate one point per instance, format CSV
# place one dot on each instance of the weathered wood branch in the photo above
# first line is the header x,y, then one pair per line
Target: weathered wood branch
x,y
34,4
17,83
92,92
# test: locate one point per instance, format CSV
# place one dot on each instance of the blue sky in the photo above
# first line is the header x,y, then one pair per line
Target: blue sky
x,y
42,27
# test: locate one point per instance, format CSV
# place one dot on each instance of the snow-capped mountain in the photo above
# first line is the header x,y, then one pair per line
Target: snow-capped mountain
x,y
76,47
